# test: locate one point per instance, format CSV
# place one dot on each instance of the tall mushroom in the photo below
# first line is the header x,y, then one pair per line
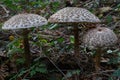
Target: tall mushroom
x,y
74,16
23,22
99,38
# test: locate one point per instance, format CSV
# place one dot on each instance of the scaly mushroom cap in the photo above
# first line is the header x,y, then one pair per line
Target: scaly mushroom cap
x,y
72,15
99,37
24,21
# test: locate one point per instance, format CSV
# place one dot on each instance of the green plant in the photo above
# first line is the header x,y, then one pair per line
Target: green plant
x,y
117,73
72,72
25,74
38,68
15,46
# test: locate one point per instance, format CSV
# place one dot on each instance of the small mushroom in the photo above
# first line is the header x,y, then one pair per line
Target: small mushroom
x,y
74,16
99,38
23,22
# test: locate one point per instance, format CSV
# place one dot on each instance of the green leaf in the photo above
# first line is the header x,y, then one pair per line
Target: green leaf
x,y
21,73
53,26
70,73
114,60
109,18
60,40
43,40
116,73
41,69
15,50
32,72
20,61
72,39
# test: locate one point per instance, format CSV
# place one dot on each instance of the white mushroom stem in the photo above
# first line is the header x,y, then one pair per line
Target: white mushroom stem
x,y
27,55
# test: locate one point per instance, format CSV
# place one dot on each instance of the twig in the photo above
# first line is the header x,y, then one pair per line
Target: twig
x,y
116,24
57,68
26,74
6,11
87,3
100,72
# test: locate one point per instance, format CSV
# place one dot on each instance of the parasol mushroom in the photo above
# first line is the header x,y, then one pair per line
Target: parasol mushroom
x,y
74,16
23,22
98,38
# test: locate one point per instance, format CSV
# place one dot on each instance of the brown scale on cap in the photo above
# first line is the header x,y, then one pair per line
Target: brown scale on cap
x,y
99,29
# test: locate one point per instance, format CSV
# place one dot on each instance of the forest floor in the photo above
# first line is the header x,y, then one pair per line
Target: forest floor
x,y
55,53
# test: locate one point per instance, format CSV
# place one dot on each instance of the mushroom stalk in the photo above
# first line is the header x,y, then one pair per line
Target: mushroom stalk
x,y
76,43
97,59
27,55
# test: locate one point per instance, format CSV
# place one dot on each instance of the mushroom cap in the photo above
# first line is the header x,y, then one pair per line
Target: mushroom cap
x,y
99,37
73,15
24,21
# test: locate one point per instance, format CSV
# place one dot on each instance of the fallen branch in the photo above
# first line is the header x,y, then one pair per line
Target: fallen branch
x,y
101,72
58,68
